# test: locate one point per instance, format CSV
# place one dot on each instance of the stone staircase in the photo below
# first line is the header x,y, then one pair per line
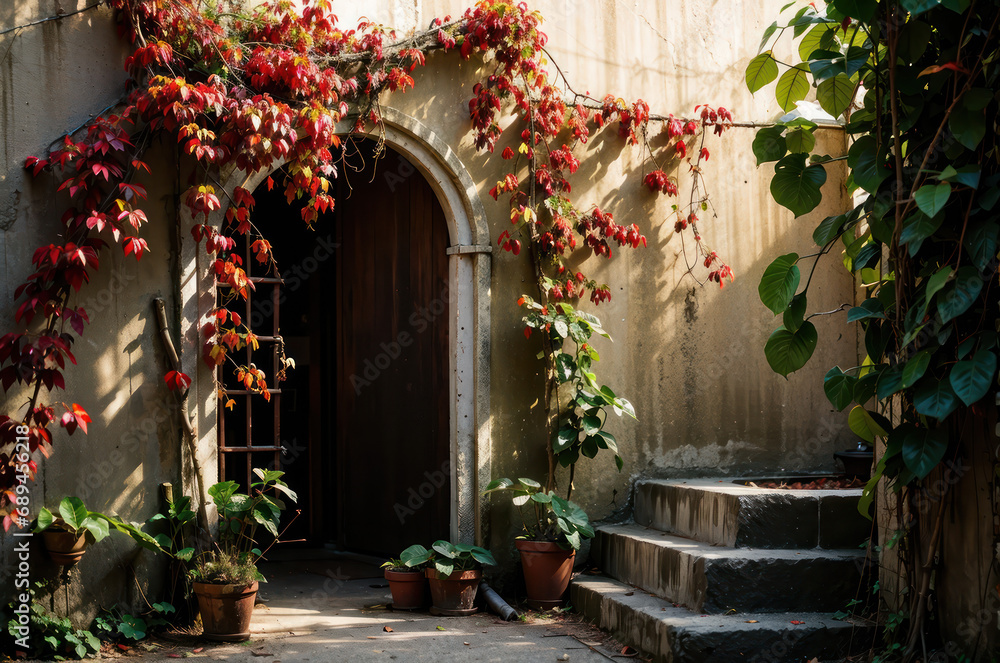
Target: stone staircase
x,y
712,570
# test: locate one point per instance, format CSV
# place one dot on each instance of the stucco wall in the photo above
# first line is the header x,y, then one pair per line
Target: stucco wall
x,y
689,357
53,78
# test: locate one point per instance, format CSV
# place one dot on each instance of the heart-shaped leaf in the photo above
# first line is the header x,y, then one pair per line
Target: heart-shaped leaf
x,y
839,387
788,351
779,282
932,198
971,378
923,449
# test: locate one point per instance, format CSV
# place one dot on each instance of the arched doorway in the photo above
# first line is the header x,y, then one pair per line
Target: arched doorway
x,y
468,314
361,305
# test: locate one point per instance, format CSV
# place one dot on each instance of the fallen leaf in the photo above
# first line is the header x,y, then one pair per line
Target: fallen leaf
x,y
387,629
123,647
372,637
751,621
629,651
465,643
796,621
440,628
629,593
199,649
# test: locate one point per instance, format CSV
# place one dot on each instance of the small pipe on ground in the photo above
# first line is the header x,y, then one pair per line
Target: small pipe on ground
x,y
497,604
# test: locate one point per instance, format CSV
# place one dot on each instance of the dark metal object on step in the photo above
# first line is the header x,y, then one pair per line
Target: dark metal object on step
x,y
857,462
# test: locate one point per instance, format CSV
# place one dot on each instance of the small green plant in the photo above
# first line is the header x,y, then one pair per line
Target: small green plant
x,y
74,518
115,624
582,418
555,519
53,637
241,515
448,557
407,560
174,523
395,564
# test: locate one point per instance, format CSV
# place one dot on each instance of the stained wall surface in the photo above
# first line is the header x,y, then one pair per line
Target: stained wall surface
x,y
688,355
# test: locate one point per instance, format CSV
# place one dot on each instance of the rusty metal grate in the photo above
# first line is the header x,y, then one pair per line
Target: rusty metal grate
x,y
245,446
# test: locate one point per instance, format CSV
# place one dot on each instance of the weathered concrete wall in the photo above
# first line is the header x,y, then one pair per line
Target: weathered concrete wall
x,y
689,357
53,78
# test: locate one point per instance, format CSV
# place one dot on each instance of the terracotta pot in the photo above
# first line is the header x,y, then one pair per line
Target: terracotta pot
x,y
453,595
64,547
547,571
408,589
226,610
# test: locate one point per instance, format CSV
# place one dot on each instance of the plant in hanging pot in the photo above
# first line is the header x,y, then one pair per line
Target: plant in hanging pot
x,y
407,580
453,572
225,579
67,535
552,537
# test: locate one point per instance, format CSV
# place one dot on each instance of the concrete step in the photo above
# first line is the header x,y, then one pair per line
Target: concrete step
x,y
712,579
675,635
724,513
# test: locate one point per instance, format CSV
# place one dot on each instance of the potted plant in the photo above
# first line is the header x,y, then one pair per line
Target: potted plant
x,y
225,579
453,576
407,581
67,535
548,547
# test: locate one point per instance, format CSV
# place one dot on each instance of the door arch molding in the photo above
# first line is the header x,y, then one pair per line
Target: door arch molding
x,y
469,272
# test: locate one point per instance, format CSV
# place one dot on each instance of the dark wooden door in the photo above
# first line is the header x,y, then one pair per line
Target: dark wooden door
x,y
390,390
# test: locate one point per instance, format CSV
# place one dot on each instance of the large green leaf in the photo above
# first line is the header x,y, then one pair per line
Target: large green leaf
x,y
795,314
761,71
800,139
867,163
779,282
829,229
923,449
931,198
968,125
864,389
870,308
793,86
73,511
864,425
820,37
971,378
769,144
934,398
796,185
788,351
839,387
915,368
890,381
835,94
959,295
917,228
937,281
981,242
913,40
